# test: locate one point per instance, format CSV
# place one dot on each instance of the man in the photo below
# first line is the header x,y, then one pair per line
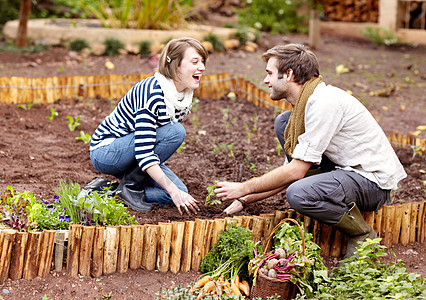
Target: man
x,y
329,134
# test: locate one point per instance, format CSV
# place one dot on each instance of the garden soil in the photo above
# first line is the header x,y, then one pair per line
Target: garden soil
x,y
226,140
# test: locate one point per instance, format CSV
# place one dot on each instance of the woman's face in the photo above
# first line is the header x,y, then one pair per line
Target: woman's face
x,y
190,70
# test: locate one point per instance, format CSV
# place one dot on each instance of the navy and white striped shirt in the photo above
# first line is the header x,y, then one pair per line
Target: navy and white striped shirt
x,y
141,111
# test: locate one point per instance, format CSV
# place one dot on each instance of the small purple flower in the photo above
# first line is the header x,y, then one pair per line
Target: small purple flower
x,y
65,208
50,209
56,198
68,219
61,218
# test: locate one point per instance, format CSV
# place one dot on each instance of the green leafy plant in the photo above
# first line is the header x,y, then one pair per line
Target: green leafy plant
x,y
368,278
150,14
215,41
145,47
113,46
73,123
181,148
85,137
211,193
230,148
15,208
278,147
417,150
78,44
380,36
28,105
45,215
92,207
255,120
276,16
53,114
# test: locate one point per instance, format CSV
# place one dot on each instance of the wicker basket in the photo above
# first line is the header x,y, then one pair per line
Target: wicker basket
x,y
266,286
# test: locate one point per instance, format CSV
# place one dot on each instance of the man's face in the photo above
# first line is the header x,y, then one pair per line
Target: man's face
x,y
278,86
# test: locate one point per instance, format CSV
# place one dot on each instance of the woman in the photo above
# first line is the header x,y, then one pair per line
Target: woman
x,y
143,131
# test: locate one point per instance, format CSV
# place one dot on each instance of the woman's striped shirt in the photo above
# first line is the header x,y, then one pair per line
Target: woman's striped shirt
x,y
141,111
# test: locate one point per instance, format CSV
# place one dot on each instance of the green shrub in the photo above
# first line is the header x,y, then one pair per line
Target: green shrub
x,y
145,47
215,41
275,16
79,44
150,14
9,10
92,208
380,36
112,46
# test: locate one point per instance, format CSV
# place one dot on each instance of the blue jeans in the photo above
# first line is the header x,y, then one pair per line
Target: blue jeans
x,y
118,158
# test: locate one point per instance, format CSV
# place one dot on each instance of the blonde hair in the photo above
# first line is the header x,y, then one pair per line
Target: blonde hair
x,y
172,55
297,57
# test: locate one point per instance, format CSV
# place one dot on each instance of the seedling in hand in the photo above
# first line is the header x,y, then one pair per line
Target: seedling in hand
x,y
210,190
53,114
73,124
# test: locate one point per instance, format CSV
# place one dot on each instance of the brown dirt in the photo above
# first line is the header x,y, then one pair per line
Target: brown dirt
x,y
36,153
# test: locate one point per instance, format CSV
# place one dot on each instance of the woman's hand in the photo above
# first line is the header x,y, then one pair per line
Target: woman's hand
x,y
185,201
229,190
234,207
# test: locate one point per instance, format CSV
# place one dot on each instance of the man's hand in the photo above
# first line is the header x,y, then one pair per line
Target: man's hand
x,y
186,201
235,207
229,190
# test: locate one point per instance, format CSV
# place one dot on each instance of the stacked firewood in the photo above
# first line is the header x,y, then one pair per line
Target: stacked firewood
x,y
351,10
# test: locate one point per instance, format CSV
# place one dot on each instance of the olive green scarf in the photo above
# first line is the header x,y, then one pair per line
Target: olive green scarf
x,y
296,122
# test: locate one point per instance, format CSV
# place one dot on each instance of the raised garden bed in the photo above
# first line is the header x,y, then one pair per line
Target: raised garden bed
x,y
219,121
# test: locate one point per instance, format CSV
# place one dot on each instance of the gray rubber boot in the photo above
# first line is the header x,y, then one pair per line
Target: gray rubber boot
x,y
132,189
354,225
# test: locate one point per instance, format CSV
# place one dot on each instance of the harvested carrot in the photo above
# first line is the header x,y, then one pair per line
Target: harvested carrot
x,y
235,290
202,281
236,280
209,286
246,284
244,288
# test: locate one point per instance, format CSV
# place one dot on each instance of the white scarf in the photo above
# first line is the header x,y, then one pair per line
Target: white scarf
x,y
173,99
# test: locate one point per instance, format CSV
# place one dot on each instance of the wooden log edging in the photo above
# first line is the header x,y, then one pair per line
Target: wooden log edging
x,y
178,246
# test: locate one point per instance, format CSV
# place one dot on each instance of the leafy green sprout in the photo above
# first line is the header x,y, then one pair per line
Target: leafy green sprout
x,y
181,148
53,114
85,137
230,147
211,193
28,105
73,123
417,150
278,147
255,120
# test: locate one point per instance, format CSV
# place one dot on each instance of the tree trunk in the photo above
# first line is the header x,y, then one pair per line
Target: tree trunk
x,y
24,15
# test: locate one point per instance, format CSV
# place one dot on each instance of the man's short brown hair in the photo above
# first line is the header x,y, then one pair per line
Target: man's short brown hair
x,y
172,55
297,57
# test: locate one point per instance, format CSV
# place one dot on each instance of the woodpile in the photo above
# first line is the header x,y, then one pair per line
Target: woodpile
x,y
351,10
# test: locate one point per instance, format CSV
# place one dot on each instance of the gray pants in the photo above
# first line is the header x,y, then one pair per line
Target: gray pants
x,y
325,197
